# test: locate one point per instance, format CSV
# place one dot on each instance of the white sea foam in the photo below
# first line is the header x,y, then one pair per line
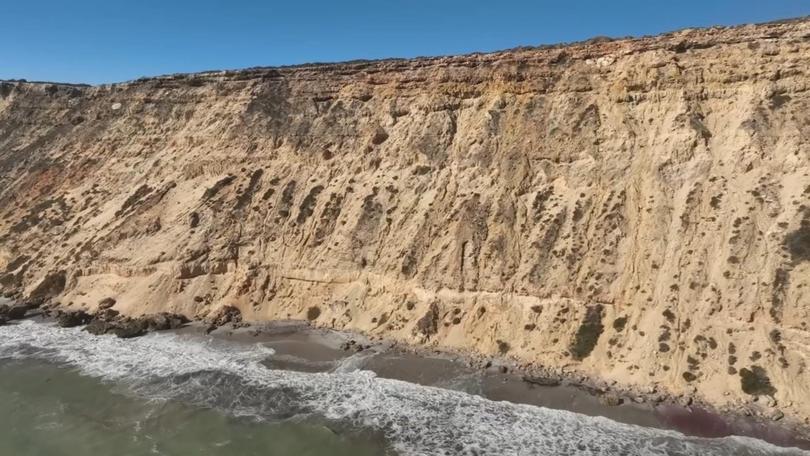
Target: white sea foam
x,y
352,363
416,420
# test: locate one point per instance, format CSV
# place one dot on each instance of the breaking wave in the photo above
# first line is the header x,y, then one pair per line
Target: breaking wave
x,y
414,419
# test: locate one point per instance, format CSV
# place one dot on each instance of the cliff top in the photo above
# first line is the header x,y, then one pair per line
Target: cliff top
x,y
679,41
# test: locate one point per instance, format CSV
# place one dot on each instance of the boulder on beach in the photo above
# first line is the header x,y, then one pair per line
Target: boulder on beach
x,y
14,312
72,318
164,321
108,321
127,328
223,316
98,327
17,312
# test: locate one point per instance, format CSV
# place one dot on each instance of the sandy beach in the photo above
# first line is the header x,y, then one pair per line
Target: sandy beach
x,y
300,347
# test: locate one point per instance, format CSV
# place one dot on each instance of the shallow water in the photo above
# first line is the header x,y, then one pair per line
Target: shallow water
x,y
192,395
50,410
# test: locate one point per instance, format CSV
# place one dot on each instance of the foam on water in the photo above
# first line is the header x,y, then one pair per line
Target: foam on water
x,y
416,420
352,363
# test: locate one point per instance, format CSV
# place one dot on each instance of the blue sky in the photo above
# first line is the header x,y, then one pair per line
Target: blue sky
x,y
97,41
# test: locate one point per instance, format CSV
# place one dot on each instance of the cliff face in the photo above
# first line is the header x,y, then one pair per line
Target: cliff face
x,y
636,210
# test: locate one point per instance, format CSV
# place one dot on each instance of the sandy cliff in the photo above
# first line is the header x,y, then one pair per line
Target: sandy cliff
x,y
634,210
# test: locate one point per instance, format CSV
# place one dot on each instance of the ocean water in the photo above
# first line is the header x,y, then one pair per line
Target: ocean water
x,y
66,392
50,410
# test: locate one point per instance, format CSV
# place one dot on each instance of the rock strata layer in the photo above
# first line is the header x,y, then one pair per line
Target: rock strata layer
x,y
636,210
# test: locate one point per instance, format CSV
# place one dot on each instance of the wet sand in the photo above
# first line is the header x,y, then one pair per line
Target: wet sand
x,y
299,347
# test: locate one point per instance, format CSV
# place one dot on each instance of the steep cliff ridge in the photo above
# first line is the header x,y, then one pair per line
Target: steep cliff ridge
x,y
636,210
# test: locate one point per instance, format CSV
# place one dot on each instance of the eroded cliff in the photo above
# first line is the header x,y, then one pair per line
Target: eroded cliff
x,y
636,210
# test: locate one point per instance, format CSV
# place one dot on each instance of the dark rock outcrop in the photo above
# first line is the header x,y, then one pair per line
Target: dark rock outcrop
x,y
127,328
12,312
72,318
223,316
106,303
17,312
98,327
108,321
541,381
164,321
50,286
33,303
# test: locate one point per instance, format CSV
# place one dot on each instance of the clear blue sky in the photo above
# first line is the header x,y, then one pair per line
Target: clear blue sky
x,y
96,41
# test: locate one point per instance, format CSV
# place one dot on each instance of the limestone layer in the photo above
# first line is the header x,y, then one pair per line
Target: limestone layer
x,y
636,210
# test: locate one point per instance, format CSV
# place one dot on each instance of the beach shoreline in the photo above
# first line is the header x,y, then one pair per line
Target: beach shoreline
x,y
300,346
505,379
